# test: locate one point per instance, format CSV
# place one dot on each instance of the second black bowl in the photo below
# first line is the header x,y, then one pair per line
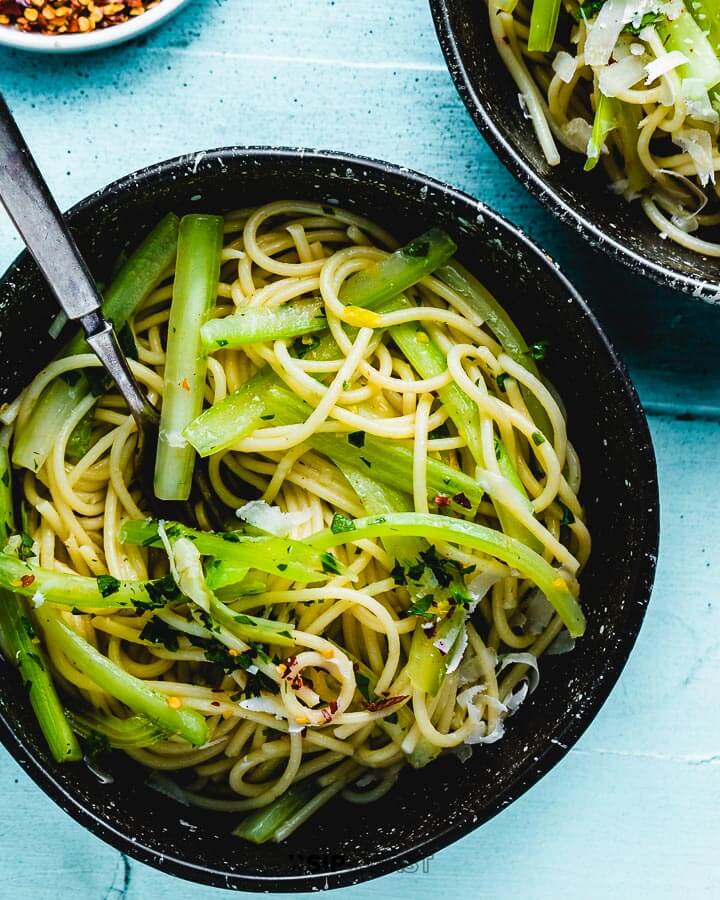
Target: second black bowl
x,y
430,808
582,200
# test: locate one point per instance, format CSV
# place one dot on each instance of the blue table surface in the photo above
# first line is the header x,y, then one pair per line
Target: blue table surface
x,y
632,811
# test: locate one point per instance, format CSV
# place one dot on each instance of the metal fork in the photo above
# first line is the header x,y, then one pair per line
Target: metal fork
x,y
29,203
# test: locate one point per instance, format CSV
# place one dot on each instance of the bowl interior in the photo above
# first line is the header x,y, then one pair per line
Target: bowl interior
x,y
427,809
583,200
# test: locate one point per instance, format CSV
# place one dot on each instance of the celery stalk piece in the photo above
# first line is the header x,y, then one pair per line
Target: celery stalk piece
x,y
479,299
291,559
121,734
427,666
236,416
20,647
385,279
220,574
83,591
134,283
197,273
260,825
543,25
263,324
707,14
606,120
459,531
693,39
124,687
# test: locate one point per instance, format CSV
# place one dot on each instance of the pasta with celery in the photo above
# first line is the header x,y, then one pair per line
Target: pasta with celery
x,y
633,84
363,531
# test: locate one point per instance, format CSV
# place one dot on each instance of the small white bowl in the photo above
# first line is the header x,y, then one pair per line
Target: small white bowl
x,y
90,40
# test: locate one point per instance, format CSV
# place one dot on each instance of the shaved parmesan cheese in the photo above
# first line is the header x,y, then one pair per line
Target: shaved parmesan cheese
x,y
618,77
699,146
470,671
564,65
481,584
514,701
605,31
538,611
525,659
664,64
577,133
268,518
189,571
37,599
458,651
697,101
563,643
479,733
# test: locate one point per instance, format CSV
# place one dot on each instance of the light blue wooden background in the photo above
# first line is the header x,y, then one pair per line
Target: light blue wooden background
x,y
632,812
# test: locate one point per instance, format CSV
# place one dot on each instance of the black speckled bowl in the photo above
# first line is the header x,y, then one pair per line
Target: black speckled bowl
x,y
582,200
428,809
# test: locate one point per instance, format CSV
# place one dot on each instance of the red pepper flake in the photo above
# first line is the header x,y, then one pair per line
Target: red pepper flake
x,y
69,16
214,703
462,500
386,702
296,683
27,580
441,500
185,384
329,711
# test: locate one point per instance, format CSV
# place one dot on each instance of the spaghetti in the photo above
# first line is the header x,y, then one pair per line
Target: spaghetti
x,y
632,84
381,536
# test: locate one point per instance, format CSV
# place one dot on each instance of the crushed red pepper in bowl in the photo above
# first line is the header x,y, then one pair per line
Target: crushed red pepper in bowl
x,y
69,16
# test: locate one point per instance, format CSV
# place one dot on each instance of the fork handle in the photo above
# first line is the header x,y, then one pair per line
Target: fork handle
x,y
29,203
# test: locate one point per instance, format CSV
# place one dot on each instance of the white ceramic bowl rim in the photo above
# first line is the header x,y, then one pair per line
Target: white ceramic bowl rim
x,y
90,40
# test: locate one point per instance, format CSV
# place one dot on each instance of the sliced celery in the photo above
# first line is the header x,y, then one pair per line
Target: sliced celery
x,y
459,531
124,687
263,324
194,292
276,556
387,278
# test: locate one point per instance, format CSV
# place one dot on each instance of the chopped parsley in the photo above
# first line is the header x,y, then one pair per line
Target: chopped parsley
x,y
501,379
568,517
221,342
341,524
108,585
538,350
6,478
158,632
538,438
363,685
366,461
329,563
421,607
303,345
356,438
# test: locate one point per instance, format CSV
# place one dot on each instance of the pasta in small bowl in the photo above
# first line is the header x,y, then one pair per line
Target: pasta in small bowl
x,y
608,112
412,533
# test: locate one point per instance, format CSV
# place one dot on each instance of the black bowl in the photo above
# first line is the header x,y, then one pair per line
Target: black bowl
x,y
582,200
427,809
